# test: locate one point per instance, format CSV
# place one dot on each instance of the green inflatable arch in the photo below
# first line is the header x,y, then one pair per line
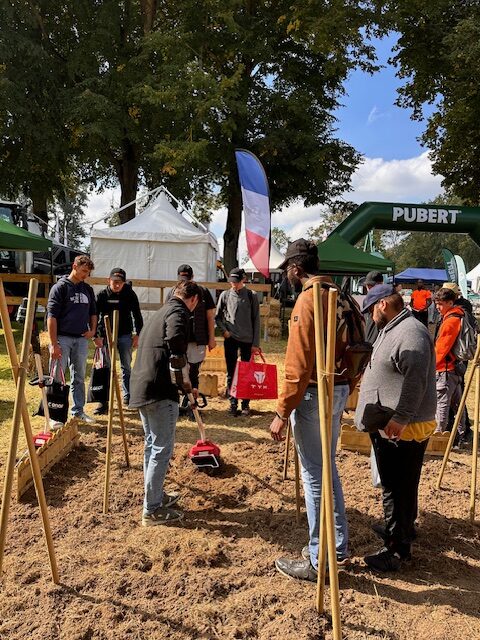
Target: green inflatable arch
x,y
410,217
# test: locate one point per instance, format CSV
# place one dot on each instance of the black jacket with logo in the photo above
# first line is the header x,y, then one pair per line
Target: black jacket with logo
x,y
126,302
164,334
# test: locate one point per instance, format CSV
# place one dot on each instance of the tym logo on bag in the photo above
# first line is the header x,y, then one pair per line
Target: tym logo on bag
x,y
259,376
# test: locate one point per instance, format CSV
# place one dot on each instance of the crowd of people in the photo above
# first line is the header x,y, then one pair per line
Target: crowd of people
x,y
406,392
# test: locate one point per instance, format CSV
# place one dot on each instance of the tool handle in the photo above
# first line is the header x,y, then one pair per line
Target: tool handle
x,y
196,413
46,412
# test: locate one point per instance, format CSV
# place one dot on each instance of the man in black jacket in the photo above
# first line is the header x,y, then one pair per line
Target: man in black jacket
x,y
119,295
160,368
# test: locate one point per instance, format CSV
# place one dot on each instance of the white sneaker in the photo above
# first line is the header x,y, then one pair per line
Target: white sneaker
x,y
86,418
55,425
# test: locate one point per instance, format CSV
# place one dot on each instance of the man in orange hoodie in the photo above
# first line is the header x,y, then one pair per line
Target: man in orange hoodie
x,y
447,379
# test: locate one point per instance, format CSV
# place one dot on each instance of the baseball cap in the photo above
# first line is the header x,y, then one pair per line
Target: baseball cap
x,y
375,294
453,286
186,270
300,247
373,278
118,274
236,275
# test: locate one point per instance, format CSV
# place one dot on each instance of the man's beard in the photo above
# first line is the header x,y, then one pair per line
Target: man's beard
x,y
293,279
382,320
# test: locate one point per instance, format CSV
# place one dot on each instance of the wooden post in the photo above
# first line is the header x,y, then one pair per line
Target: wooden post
x,y
297,483
287,448
473,484
323,407
118,394
20,411
330,369
461,406
111,395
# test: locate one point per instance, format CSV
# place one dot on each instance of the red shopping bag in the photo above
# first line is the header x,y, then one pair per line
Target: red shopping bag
x,y
254,380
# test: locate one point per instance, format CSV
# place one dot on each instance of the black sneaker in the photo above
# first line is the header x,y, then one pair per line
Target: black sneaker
x,y
161,516
385,560
233,411
101,410
298,569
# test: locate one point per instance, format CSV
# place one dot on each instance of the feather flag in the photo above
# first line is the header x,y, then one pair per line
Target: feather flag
x,y
256,207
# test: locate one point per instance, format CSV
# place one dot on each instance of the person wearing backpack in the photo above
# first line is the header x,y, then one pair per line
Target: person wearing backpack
x,y
238,318
448,379
298,401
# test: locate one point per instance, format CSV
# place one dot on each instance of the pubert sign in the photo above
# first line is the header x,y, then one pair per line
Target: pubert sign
x,y
421,214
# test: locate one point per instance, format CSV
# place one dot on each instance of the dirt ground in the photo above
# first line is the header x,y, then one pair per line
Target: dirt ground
x,y
213,575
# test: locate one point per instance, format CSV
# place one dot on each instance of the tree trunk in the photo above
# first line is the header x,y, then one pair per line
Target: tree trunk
x,y
128,176
234,222
149,10
39,204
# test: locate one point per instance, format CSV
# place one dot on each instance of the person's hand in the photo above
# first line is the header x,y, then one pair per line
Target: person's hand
x,y
255,350
135,342
212,343
88,334
394,429
276,428
226,334
55,351
98,342
187,387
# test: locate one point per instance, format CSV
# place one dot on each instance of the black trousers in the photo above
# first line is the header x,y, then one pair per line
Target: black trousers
x,y
399,465
194,373
232,347
422,316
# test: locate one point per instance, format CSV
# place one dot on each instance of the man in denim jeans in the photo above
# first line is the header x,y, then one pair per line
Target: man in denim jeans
x,y
160,368
119,296
299,402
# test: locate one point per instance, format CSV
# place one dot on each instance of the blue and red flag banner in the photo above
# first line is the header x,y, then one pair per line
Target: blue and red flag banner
x,y
256,208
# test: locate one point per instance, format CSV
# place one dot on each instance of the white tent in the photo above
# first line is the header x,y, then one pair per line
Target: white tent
x,y
474,277
276,259
152,245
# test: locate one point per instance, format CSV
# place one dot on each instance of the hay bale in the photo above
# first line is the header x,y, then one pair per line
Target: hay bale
x,y
274,307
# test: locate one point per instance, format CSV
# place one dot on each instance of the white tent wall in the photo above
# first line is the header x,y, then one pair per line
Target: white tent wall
x,y
152,246
474,277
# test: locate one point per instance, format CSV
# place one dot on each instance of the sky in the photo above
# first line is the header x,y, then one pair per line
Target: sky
x,y
396,168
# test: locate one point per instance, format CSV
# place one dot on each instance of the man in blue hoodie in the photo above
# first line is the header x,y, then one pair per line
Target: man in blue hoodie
x,y
71,322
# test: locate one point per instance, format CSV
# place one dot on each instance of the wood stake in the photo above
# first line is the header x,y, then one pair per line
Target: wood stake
x,y
323,407
287,447
297,481
118,394
473,484
461,406
330,368
19,370
111,396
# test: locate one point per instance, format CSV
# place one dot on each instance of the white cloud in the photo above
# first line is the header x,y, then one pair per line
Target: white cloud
x,y
377,180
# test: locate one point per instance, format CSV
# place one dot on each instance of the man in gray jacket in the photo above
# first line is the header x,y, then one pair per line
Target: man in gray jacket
x,y
238,318
398,396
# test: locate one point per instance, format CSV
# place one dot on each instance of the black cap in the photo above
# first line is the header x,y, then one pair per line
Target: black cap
x,y
373,277
375,294
236,275
185,270
118,274
300,247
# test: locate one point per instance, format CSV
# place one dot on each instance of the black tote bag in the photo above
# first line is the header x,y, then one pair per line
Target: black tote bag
x,y
57,396
99,386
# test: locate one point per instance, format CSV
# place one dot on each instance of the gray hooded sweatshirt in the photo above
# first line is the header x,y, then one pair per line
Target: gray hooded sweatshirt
x,y
401,373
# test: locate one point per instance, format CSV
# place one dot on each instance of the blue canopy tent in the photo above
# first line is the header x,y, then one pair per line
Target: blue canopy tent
x,y
434,276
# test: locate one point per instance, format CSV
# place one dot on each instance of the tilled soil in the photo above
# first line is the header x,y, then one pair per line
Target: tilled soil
x,y
213,575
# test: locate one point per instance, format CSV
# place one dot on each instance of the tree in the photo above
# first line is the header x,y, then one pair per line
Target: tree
x,y
280,239
276,71
439,57
69,214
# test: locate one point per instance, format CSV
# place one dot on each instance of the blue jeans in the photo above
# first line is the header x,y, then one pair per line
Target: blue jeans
x,y
159,420
124,344
74,356
306,431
